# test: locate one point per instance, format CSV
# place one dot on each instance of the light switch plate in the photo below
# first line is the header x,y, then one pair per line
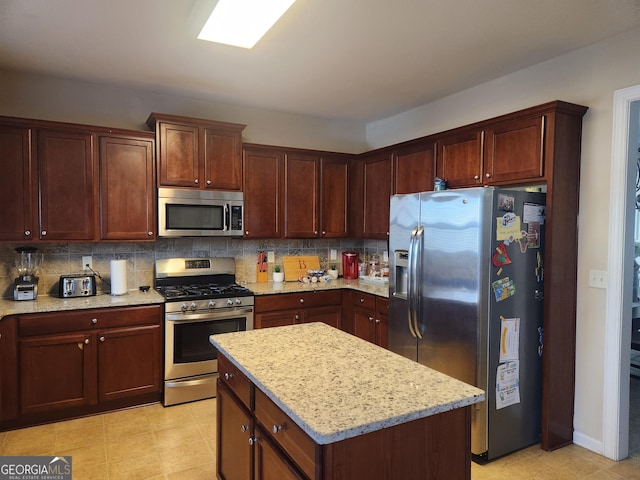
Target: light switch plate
x,y
598,279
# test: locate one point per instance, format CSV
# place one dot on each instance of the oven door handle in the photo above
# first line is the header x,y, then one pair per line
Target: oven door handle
x,y
189,383
205,317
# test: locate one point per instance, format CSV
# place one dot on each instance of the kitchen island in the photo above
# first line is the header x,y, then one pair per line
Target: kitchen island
x,y
311,401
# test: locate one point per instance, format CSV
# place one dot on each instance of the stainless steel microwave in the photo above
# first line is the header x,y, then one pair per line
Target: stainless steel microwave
x,y
184,212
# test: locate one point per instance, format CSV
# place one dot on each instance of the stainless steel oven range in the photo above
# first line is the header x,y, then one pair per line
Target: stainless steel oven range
x,y
202,299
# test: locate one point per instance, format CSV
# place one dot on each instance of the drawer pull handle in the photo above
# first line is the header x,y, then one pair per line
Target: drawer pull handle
x,y
227,376
244,428
277,428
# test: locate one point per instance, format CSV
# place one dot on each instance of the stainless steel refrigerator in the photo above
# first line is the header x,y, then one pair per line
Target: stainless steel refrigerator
x,y
465,298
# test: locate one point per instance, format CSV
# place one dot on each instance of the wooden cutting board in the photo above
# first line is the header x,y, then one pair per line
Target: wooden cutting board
x,y
294,267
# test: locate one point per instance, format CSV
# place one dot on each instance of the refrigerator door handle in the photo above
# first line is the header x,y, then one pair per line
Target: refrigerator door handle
x,y
417,315
411,282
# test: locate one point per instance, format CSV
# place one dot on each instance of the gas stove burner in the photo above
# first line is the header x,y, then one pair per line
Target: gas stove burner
x,y
194,292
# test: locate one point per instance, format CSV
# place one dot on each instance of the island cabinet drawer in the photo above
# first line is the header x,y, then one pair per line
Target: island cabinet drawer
x,y
287,301
233,378
83,320
295,443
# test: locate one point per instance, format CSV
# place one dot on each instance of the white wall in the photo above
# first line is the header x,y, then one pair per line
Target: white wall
x,y
48,98
588,77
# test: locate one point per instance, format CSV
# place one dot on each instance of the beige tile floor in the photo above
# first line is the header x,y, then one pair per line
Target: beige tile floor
x,y
153,442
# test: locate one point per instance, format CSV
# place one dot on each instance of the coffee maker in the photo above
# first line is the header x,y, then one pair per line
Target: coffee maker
x,y
350,265
28,263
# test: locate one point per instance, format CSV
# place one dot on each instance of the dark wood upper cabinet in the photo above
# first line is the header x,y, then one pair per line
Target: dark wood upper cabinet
x,y
378,181
513,151
17,183
262,185
127,188
334,191
459,159
414,168
301,195
197,153
68,184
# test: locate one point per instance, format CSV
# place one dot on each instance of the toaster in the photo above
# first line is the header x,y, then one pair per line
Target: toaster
x,y
77,286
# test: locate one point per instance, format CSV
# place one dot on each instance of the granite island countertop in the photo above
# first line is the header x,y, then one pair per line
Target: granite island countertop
x,y
336,386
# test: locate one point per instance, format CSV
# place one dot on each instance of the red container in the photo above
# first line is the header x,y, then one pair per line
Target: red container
x,y
350,265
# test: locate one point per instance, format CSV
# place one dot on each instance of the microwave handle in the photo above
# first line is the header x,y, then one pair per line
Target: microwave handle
x,y
227,217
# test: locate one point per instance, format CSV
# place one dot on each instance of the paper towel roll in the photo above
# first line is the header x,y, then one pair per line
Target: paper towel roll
x,y
118,277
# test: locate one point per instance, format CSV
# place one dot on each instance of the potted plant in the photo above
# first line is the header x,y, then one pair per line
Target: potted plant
x,y
278,276
333,271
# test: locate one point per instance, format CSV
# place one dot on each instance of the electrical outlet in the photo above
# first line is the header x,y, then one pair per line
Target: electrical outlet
x,y
333,254
271,257
385,256
87,260
598,279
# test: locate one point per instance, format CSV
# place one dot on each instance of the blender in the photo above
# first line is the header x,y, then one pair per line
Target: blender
x,y
28,263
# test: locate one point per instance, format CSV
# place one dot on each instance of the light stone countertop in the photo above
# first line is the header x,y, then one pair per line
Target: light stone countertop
x,y
45,303
336,386
270,288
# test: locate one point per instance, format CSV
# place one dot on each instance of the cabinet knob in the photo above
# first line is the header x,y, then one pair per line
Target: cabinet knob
x,y
302,300
362,300
227,376
476,177
371,319
488,175
315,232
377,320
244,428
94,320
102,339
150,234
27,233
208,182
246,232
297,317
86,341
276,428
44,233
324,232
196,181
252,441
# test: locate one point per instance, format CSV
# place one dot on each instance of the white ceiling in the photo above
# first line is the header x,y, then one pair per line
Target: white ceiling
x,y
352,59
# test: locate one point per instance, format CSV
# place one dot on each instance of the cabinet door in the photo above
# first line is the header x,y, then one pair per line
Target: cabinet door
x,y
17,184
364,324
460,159
129,362
302,173
382,322
277,319
269,462
331,315
414,168
127,191
178,162
9,369
222,160
334,191
513,151
377,194
233,432
262,193
68,188
57,371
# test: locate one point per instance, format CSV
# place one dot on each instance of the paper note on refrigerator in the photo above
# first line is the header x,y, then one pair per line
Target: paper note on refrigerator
x,y
508,384
509,339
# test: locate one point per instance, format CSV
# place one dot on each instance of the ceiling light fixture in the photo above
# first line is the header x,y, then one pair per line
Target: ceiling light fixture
x,y
242,23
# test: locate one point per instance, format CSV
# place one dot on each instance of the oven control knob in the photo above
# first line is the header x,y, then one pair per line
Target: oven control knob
x,y
183,307
212,304
229,302
193,306
238,301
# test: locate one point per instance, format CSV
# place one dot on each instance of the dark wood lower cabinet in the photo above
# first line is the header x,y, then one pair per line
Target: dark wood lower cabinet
x,y
68,364
269,463
233,432
291,308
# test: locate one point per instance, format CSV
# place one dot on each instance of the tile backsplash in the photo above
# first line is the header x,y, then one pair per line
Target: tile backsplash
x,y
66,258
